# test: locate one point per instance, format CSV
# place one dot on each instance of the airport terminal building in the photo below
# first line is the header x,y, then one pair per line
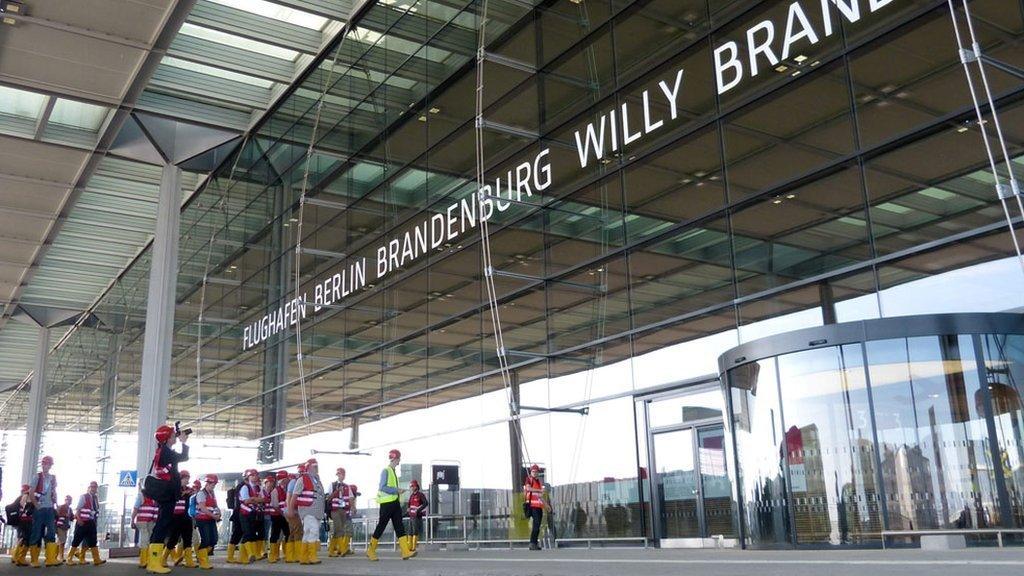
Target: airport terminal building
x,y
732,272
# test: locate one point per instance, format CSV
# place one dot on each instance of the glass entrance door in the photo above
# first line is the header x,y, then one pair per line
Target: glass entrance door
x,y
693,490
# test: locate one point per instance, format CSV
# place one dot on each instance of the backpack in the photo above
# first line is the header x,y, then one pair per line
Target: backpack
x,y
192,506
232,501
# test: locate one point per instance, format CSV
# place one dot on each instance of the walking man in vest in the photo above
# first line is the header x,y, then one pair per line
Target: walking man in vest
x,y
85,527
273,485
306,501
388,494
343,506
207,517
44,521
165,467
65,516
533,489
25,511
143,518
250,502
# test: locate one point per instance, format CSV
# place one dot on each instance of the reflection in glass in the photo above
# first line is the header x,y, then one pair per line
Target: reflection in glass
x,y
715,485
677,484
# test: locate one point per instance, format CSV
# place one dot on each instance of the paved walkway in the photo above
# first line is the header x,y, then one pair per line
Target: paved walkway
x,y
630,562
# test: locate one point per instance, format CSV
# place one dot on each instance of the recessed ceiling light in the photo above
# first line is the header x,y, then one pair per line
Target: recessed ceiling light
x,y
800,59
791,196
776,201
795,73
781,68
435,110
422,118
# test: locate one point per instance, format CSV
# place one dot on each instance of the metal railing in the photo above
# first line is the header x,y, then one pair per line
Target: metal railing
x,y
886,534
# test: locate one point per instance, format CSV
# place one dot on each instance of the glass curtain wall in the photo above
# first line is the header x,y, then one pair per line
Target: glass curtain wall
x,y
808,190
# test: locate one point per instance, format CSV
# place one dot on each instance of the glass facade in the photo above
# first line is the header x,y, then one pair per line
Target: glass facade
x,y
891,426
845,180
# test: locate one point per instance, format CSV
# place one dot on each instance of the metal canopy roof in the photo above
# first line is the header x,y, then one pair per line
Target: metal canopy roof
x,y
75,210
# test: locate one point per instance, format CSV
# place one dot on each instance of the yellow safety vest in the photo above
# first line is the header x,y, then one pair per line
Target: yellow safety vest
x,y
384,497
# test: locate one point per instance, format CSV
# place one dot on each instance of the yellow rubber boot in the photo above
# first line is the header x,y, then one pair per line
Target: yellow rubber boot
x,y
155,565
203,558
14,553
276,552
405,546
177,555
346,546
19,556
189,560
243,554
291,552
96,560
261,547
303,552
143,556
313,551
231,554
60,552
51,554
33,552
72,557
371,550
167,552
332,547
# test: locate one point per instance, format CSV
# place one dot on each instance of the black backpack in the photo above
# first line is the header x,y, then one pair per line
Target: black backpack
x,y
233,496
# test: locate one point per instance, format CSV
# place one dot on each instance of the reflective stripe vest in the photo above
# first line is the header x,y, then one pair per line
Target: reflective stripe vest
x,y
534,498
308,494
249,491
282,498
64,517
384,497
268,507
87,513
211,503
417,504
25,512
161,472
53,487
181,506
341,497
148,510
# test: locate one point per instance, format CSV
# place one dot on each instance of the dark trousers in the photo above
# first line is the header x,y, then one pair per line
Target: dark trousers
x,y
278,528
236,528
252,526
24,531
207,533
390,512
417,525
85,535
537,515
163,522
181,529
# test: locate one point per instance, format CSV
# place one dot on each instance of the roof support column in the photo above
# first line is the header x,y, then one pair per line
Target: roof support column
x,y
275,353
156,349
36,407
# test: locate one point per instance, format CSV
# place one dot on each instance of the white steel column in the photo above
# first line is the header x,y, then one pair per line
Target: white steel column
x,y
36,407
156,349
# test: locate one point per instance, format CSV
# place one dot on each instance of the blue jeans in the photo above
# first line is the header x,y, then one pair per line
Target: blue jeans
x,y
44,526
207,533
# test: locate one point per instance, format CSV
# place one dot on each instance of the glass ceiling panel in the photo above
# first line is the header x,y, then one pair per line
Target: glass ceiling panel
x,y
263,8
20,103
238,42
219,73
78,115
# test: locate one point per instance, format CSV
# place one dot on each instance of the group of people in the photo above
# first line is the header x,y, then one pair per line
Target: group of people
x,y
176,518
42,525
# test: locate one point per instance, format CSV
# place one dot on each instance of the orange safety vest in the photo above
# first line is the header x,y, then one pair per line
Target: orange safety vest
x,y
148,511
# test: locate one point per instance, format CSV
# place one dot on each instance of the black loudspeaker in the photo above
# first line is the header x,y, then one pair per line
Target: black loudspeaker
x,y
474,504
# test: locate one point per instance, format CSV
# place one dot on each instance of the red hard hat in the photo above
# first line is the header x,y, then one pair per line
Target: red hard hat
x,y
311,462
271,477
302,468
196,484
184,474
282,474
24,488
339,471
164,433
48,460
251,472
212,478
93,484
414,484
394,453
293,476
535,468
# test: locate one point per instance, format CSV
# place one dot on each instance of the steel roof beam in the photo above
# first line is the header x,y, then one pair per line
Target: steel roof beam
x,y
255,27
207,52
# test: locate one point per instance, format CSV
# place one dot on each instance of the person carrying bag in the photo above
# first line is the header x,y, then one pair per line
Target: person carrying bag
x,y
163,484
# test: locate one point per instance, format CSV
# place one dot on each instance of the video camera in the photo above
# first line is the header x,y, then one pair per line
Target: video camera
x,y
178,431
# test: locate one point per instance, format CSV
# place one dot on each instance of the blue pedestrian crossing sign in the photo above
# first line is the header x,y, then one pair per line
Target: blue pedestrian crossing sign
x,y
128,478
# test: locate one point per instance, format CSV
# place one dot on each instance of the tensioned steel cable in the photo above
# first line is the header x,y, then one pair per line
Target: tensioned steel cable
x,y
485,239
975,54
223,203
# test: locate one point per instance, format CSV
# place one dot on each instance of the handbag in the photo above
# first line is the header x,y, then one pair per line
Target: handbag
x,y
526,510
155,488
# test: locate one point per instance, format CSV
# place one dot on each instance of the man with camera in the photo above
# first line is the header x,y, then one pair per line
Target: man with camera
x,y
164,485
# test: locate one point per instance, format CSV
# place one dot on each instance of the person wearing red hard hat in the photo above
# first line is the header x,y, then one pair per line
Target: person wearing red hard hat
x,y
416,509
342,503
44,520
306,501
144,515
26,509
207,517
165,468
388,493
533,490
85,527
181,527
278,502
